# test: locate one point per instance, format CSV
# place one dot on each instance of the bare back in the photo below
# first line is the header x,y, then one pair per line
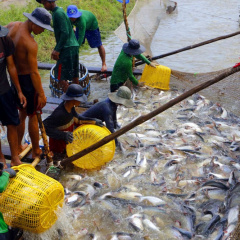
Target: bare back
x,y
25,55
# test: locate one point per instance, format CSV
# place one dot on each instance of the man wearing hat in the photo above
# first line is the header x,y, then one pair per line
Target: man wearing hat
x,y
25,57
8,107
60,124
122,69
66,51
107,109
87,27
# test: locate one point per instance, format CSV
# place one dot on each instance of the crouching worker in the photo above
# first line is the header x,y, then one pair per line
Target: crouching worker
x,y
60,124
107,109
4,179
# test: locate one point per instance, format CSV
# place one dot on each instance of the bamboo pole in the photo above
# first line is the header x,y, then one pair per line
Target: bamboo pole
x,y
191,47
36,161
25,151
126,21
150,115
44,136
127,27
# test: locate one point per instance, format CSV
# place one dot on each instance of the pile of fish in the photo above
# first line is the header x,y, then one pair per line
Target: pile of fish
x,y
175,176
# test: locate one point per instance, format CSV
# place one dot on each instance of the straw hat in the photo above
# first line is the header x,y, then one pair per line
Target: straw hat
x,y
41,17
122,96
74,92
3,31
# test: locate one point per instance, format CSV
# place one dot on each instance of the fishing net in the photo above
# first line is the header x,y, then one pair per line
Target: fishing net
x,y
144,21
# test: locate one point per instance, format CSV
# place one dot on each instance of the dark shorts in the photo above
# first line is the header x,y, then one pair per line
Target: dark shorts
x,y
5,236
67,66
8,109
30,94
115,87
94,38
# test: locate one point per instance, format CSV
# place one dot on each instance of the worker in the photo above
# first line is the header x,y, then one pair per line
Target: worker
x,y
25,58
4,179
66,51
107,110
87,27
8,107
60,124
122,69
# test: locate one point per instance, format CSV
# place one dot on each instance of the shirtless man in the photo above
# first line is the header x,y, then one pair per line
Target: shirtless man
x,y
25,58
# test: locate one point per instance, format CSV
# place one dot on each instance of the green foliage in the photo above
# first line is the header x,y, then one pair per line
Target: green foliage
x,y
108,13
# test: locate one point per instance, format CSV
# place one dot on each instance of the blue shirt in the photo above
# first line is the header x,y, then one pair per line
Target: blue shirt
x,y
105,111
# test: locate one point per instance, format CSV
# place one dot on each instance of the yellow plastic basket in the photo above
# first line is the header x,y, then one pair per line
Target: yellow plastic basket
x,y
158,77
85,136
31,200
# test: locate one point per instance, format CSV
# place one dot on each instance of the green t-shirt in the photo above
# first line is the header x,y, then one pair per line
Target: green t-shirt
x,y
122,69
3,184
87,21
63,31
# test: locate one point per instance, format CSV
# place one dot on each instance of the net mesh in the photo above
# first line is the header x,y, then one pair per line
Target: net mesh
x,y
144,28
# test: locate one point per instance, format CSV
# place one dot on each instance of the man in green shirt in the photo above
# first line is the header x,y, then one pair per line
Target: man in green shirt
x,y
122,70
4,179
87,27
66,51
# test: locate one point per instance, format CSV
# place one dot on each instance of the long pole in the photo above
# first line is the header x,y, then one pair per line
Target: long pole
x,y
44,137
126,21
150,115
191,47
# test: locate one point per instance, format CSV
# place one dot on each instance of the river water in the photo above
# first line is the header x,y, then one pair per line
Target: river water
x,y
192,22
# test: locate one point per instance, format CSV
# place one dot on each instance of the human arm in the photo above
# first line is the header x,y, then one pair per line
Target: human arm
x,y
144,59
81,25
88,120
32,50
14,77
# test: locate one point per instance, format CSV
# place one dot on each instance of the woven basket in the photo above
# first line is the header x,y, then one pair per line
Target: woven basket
x,y
85,136
31,200
84,82
158,77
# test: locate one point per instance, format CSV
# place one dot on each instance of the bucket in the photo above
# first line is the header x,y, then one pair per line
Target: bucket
x,y
158,77
31,200
85,136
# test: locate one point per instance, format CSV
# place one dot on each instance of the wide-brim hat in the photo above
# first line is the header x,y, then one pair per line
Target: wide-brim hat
x,y
74,92
72,12
3,31
122,96
133,47
40,17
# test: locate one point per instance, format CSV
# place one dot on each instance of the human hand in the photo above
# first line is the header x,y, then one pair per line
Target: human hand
x,y
11,172
55,55
22,99
98,122
68,137
153,64
42,100
141,84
